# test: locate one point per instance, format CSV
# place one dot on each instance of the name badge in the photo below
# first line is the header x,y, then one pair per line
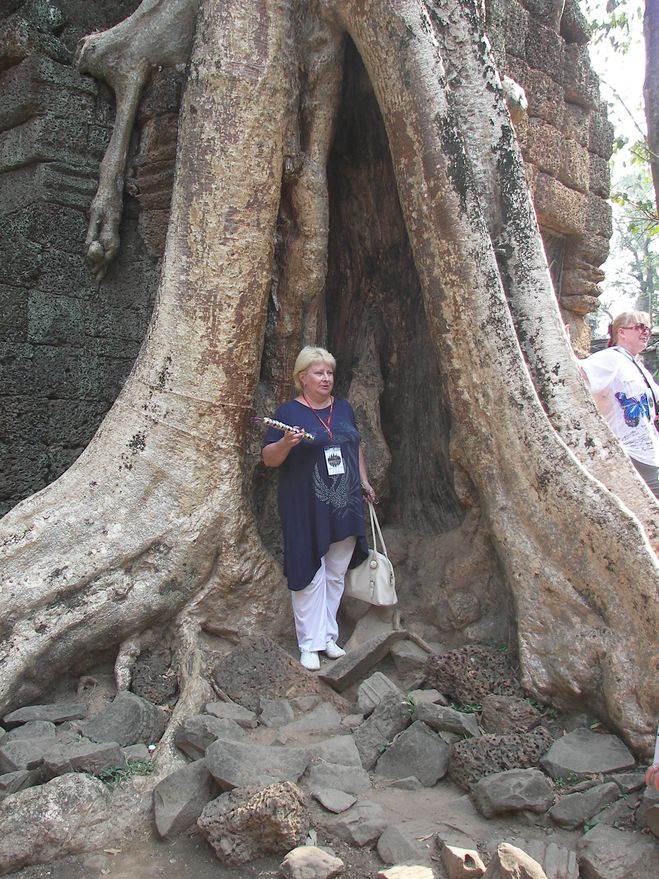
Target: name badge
x,y
334,461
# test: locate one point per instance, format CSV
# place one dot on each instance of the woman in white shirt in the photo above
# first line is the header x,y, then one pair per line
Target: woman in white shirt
x,y
626,394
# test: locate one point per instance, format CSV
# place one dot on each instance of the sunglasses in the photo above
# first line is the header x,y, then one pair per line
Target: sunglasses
x,y
642,328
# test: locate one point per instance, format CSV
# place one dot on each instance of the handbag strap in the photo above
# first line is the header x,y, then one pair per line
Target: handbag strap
x,y
643,376
376,525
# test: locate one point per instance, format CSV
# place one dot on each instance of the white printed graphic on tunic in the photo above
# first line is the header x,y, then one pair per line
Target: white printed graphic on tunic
x,y
342,494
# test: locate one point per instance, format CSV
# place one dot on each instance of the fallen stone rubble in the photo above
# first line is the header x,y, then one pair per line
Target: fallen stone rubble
x,y
268,775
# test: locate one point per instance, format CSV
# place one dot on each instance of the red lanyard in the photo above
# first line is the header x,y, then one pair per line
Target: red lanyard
x,y
326,424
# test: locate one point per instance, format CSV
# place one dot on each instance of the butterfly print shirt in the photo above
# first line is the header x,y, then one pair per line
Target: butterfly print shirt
x,y
625,401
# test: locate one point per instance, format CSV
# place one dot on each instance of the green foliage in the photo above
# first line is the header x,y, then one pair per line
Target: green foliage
x,y
468,707
410,703
613,22
114,775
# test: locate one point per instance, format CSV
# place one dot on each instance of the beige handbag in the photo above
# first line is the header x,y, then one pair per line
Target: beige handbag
x,y
374,580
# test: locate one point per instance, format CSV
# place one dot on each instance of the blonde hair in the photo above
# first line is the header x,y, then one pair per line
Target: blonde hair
x,y
627,319
308,355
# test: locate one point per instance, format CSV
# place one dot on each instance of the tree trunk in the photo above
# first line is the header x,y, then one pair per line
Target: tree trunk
x,y
153,522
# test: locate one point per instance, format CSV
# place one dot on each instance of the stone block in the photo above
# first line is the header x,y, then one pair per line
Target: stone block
x,y
557,861
276,712
474,759
42,139
558,206
545,96
243,825
544,51
12,782
152,227
408,841
580,80
236,764
20,38
162,94
158,142
66,274
180,798
333,800
600,177
232,711
592,248
508,714
128,719
576,124
82,756
33,729
73,422
601,135
13,313
339,749
197,732
461,863
39,86
51,225
416,751
354,666
66,816
348,779
517,790
360,826
444,719
583,752
388,719
543,146
24,753
310,862
408,658
510,862
406,871
516,29
615,854
324,720
371,691
574,809
574,168
54,320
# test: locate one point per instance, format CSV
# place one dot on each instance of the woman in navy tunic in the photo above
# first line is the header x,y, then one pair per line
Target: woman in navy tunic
x,y
322,481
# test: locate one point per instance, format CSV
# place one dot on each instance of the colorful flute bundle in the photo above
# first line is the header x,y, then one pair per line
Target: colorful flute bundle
x,y
279,425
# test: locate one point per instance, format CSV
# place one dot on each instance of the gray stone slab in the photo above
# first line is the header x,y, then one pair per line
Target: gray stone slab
x,y
276,713
33,729
349,779
235,764
557,861
84,756
371,691
137,753
432,696
417,751
338,749
361,825
12,782
180,798
127,720
24,753
443,719
607,853
408,841
573,810
196,733
408,657
583,752
55,713
324,719
333,800
387,720
411,782
232,711
517,790
354,666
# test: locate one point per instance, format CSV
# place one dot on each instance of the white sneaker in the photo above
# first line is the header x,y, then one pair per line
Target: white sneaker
x,y
333,651
309,660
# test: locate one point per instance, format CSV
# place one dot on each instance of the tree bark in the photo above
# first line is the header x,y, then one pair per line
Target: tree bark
x,y
153,522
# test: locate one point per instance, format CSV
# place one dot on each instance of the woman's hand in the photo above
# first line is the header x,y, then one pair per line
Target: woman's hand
x,y
369,492
275,454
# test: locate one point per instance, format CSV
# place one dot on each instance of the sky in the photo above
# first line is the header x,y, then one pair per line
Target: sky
x,y
621,77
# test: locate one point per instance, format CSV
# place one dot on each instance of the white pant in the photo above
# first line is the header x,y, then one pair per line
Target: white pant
x,y
315,607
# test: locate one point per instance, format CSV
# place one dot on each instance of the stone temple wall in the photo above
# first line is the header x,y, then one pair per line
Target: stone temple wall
x,y
67,342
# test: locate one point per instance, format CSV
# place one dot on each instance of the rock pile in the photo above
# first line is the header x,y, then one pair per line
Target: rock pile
x,y
292,760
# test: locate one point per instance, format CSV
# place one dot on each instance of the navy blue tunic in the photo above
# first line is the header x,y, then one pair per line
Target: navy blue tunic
x,y
317,509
